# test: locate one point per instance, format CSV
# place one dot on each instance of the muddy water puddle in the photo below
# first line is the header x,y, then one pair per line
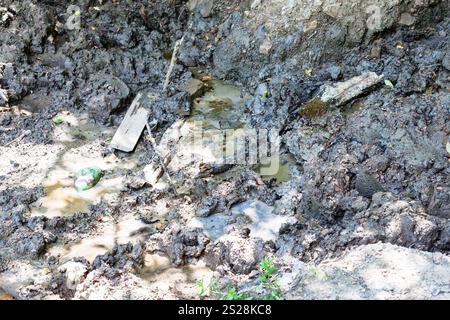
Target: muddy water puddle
x,y
81,140
217,133
5,296
128,229
221,107
286,171
161,273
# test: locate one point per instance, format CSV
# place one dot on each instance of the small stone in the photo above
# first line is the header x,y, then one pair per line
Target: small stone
x,y
375,52
193,87
245,232
446,61
335,72
74,273
367,185
440,202
204,7
208,208
407,19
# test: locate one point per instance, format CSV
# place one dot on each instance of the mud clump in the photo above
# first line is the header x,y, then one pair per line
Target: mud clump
x,y
126,256
241,65
235,252
182,244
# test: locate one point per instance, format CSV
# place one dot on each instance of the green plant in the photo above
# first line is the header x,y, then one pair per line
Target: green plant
x,y
214,291
57,120
268,289
206,289
233,294
269,280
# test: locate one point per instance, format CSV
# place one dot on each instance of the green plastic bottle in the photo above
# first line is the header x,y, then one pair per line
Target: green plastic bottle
x,y
88,178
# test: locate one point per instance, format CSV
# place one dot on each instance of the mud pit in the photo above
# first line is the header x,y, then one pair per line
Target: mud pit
x,y
362,186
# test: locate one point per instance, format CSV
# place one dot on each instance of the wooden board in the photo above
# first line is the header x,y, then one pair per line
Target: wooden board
x,y
129,131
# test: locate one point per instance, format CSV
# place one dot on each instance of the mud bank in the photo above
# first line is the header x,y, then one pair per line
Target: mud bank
x,y
364,183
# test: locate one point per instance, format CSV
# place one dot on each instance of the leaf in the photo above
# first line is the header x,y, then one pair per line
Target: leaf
x,y
57,120
45,271
388,83
308,71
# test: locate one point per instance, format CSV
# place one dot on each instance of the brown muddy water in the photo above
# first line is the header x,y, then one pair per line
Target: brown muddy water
x,y
221,107
79,138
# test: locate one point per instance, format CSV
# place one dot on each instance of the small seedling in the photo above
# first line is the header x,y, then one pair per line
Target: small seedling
x,y
211,289
268,286
233,294
269,280
57,120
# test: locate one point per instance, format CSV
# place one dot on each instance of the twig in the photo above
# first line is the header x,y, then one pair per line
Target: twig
x,y
18,138
172,62
161,159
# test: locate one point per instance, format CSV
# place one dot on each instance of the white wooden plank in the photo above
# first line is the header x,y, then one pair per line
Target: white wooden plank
x,y
129,131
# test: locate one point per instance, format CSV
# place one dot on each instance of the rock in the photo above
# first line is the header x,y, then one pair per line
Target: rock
x,y
3,97
440,202
27,243
443,242
107,96
407,19
239,253
181,100
192,86
335,72
446,61
123,256
367,185
204,7
207,207
55,61
375,52
339,93
35,102
376,271
182,244
74,272
263,223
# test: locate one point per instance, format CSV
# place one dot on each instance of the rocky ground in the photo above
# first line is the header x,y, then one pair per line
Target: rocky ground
x,y
360,208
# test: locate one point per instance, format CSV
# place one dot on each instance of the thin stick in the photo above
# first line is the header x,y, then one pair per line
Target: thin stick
x,y
172,62
161,159
17,139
